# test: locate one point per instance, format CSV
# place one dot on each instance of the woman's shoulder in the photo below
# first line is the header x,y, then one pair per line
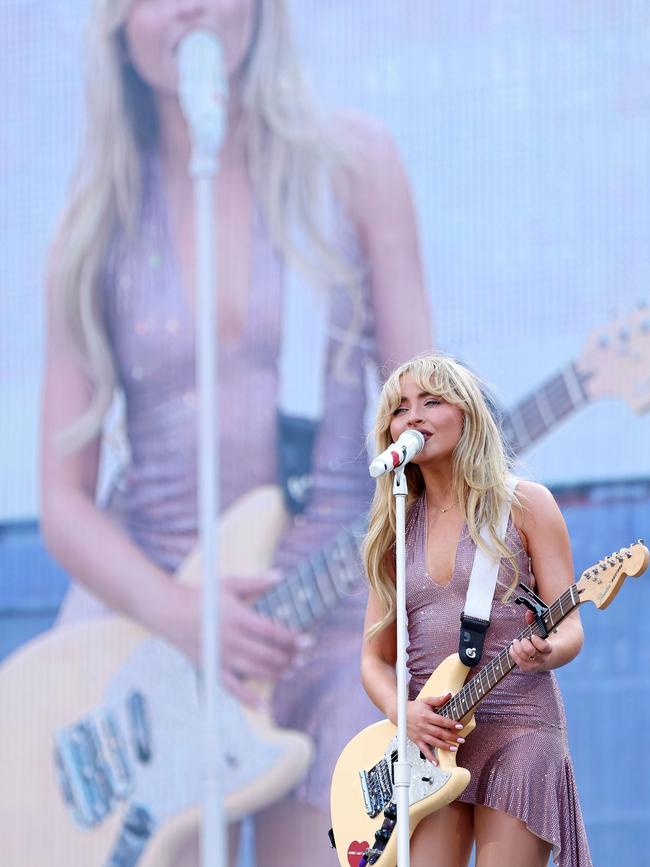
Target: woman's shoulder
x,y
371,162
362,134
534,506
532,495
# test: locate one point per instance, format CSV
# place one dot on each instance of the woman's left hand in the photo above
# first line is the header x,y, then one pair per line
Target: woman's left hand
x,y
532,654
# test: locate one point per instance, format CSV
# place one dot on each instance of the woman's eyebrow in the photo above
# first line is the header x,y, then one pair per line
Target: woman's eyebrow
x,y
404,399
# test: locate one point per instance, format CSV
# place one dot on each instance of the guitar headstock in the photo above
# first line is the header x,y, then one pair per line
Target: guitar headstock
x,y
602,581
616,361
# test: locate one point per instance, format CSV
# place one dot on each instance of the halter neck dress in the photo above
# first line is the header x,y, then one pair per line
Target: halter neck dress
x,y
518,753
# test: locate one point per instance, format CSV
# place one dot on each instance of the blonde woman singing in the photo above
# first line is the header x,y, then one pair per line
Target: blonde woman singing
x,y
121,316
521,803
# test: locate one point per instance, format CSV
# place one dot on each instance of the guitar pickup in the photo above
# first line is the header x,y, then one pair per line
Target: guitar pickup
x,y
92,768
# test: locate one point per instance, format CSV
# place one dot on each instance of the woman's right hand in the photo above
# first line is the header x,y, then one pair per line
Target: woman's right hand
x,y
429,730
252,646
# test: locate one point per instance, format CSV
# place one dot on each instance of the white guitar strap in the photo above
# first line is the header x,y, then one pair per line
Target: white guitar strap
x,y
475,618
302,366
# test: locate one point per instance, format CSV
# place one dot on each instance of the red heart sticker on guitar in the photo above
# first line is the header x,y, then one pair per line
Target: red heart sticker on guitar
x,y
355,852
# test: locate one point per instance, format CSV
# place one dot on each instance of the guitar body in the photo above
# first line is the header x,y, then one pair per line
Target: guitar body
x,y
354,830
63,677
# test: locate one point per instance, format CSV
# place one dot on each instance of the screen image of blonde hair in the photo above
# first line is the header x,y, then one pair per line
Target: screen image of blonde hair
x,y
291,156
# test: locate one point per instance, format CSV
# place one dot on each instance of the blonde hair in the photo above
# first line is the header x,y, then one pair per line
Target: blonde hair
x,y
291,156
480,470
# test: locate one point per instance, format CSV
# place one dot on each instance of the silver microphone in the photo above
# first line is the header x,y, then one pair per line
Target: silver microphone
x,y
409,444
203,88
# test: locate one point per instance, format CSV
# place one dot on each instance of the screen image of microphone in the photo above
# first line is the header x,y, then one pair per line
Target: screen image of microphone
x,y
408,445
202,86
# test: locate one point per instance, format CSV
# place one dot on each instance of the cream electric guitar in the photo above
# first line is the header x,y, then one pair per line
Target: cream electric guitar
x,y
364,815
100,724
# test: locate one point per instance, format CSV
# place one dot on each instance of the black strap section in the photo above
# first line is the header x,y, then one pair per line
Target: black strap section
x,y
330,834
472,636
137,828
296,437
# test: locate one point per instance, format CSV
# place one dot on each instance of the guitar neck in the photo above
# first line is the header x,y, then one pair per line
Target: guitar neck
x,y
316,587
542,410
475,690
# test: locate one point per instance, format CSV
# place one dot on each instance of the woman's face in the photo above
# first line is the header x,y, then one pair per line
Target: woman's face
x,y
155,28
441,423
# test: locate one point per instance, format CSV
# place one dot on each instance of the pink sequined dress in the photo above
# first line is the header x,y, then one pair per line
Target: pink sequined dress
x,y
151,327
518,753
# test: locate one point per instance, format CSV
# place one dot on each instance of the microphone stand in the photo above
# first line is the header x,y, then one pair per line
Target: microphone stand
x,y
203,168
402,768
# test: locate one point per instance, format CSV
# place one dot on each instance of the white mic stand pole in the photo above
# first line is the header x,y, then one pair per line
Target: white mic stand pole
x,y
402,768
206,129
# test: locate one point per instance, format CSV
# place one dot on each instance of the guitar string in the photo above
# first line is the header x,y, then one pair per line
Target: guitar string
x,y
458,702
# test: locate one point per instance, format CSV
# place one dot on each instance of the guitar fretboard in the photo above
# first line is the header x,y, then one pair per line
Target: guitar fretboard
x,y
540,411
488,677
316,587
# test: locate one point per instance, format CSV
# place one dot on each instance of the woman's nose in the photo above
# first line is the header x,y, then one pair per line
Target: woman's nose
x,y
415,418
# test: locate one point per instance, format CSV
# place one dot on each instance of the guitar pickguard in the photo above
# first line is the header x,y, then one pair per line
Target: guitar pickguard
x,y
377,782
166,776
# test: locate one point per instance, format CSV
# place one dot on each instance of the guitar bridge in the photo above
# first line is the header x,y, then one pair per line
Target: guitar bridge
x,y
377,787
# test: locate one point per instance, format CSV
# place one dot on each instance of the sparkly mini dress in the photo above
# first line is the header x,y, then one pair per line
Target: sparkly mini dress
x,y
518,753
151,325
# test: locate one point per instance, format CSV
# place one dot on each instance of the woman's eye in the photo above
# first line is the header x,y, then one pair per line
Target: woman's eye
x,y
432,401
399,410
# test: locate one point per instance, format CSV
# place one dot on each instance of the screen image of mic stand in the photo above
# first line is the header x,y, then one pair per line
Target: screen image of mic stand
x,y
202,93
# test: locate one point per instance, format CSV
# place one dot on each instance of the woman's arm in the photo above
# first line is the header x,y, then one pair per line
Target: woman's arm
x,y
377,195
79,535
378,656
424,727
101,556
547,540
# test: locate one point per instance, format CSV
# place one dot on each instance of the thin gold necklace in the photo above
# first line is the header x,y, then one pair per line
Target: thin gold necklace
x,y
443,509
